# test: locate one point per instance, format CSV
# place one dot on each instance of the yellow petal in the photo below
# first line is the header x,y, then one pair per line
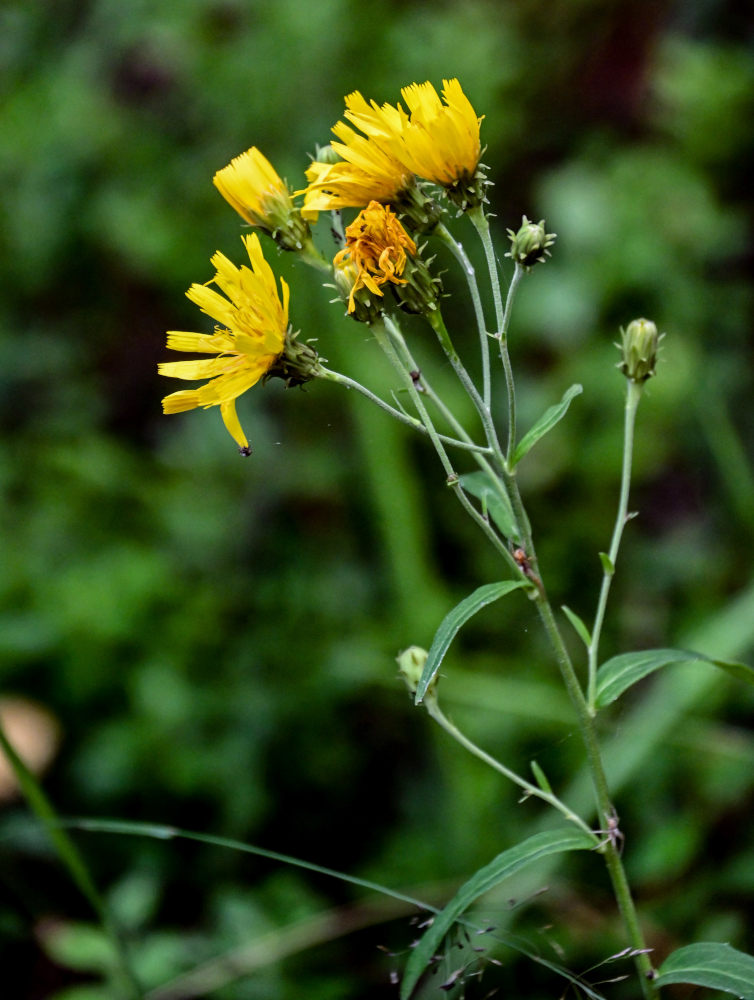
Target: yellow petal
x,y
199,343
233,424
194,369
179,402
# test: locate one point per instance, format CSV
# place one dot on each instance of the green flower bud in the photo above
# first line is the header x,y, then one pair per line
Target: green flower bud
x,y
363,306
299,363
411,665
326,154
530,245
419,292
639,348
418,212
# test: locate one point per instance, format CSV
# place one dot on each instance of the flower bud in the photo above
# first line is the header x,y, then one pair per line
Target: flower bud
x,y
420,292
411,666
325,154
530,245
639,348
363,305
299,363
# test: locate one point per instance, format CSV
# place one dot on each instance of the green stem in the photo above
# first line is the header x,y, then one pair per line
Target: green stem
x,y
481,456
506,360
385,331
633,396
605,808
405,418
434,710
43,809
438,325
468,269
503,315
310,255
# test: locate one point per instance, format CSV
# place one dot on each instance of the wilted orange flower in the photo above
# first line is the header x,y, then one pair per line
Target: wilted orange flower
x,y
376,247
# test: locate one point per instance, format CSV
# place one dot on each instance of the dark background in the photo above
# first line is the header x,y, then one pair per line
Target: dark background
x,y
213,639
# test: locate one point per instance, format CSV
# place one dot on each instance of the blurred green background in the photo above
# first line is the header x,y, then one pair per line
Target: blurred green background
x,y
212,640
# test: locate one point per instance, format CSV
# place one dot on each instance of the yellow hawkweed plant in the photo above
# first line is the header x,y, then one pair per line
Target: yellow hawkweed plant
x,y
252,342
386,166
376,249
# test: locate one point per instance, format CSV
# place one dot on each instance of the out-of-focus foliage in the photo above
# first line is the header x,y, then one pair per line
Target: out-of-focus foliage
x,y
216,637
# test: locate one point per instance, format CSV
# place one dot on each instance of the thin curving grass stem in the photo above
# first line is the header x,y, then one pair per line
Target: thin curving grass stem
x,y
73,861
633,395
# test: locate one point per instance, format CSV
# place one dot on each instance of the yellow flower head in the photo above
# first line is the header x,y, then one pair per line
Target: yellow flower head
x,y
253,188
376,248
441,141
366,172
438,140
250,339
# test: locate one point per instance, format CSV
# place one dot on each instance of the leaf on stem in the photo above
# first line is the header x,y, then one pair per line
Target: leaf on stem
x,y
540,777
486,878
578,624
717,966
608,565
494,500
452,623
619,673
546,422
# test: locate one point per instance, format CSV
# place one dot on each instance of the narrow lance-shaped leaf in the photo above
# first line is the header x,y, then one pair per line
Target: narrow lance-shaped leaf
x,y
453,622
541,777
716,966
578,624
495,501
546,422
504,865
619,673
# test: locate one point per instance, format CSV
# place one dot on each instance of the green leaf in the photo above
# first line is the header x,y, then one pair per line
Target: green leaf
x,y
452,623
504,865
546,422
578,624
540,776
619,673
494,500
717,966
607,563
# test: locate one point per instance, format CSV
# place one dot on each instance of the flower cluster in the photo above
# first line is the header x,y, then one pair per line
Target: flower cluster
x,y
381,160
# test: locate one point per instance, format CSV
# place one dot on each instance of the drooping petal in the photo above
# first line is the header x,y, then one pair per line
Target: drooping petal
x,y
233,424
